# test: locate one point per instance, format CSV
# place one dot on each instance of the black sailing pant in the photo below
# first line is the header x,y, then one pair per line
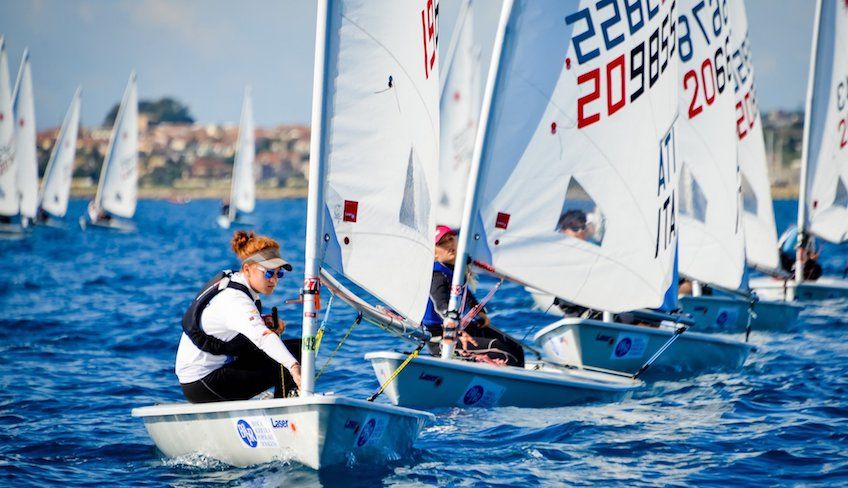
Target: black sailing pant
x,y
490,342
245,377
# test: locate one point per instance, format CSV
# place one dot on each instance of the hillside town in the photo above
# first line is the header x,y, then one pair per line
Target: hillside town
x,y
196,160
180,160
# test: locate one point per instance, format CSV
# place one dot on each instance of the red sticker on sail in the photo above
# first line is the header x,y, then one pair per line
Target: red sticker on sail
x,y
502,221
351,208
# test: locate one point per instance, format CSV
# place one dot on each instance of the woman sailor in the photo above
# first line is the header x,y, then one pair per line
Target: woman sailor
x,y
227,350
479,341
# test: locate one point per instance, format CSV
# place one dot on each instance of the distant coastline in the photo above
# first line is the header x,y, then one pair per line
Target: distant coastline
x,y
163,193
218,193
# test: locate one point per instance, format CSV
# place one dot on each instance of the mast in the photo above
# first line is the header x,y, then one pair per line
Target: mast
x,y
805,151
315,202
474,182
98,197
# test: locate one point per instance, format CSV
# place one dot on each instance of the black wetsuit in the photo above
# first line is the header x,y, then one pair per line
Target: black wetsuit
x,y
492,343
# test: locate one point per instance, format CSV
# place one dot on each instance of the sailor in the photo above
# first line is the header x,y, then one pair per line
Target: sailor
x,y
228,351
809,255
573,224
479,341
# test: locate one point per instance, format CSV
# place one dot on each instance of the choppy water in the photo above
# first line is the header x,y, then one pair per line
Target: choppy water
x,y
89,328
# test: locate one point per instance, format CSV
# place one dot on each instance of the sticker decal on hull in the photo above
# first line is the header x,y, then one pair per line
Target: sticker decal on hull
x,y
481,393
255,433
629,346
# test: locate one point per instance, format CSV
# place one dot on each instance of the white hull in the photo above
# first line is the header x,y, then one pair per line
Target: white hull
x,y
429,382
110,224
224,222
774,316
622,347
825,288
316,431
716,313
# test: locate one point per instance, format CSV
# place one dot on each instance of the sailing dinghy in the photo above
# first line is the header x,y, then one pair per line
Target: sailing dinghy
x,y
823,198
25,192
117,192
554,138
369,191
623,346
243,190
9,202
56,184
712,240
757,208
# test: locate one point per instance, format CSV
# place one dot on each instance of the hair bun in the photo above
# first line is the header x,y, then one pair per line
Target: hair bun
x,y
240,241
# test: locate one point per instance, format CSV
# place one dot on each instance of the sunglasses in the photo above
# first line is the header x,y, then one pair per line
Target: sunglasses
x,y
269,273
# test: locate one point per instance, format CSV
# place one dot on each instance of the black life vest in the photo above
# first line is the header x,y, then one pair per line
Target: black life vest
x,y
239,345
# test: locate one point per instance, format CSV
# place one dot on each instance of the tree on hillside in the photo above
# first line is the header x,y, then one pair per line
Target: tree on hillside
x,y
164,110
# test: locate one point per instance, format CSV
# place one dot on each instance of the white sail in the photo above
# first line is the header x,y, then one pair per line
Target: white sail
x,y
459,107
56,185
380,147
243,192
9,204
118,189
757,209
824,174
712,245
26,160
573,120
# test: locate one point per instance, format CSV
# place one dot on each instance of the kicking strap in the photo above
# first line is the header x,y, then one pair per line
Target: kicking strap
x,y
396,372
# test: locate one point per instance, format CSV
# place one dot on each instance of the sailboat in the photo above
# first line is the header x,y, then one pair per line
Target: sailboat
x,y
459,108
823,198
243,191
25,193
368,192
56,184
117,191
712,239
702,227
543,149
9,202
756,204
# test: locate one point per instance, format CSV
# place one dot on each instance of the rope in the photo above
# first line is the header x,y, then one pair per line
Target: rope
x,y
396,372
320,334
476,309
339,346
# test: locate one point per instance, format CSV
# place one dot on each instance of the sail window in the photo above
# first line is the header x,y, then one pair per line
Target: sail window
x,y
841,198
415,203
749,198
580,217
693,202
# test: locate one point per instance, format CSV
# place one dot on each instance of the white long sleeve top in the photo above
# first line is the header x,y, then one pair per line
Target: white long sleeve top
x,y
230,313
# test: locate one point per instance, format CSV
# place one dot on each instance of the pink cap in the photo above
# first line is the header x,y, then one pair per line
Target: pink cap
x,y
442,231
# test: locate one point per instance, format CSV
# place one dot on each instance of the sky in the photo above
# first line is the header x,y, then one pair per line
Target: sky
x,y
204,52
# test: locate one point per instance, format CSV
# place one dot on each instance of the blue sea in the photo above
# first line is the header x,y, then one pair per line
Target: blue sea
x,y
89,325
